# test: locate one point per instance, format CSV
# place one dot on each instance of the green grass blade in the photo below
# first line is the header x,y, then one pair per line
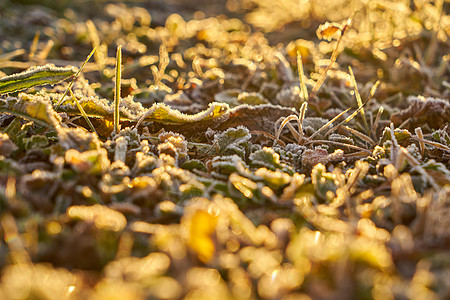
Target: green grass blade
x,y
82,111
117,88
75,77
48,74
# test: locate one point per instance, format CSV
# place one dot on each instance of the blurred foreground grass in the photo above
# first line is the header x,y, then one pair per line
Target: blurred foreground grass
x,y
228,179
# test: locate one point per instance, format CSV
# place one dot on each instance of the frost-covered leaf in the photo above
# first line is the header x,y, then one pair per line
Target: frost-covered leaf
x,y
78,138
324,182
441,136
276,180
341,139
232,141
32,108
35,142
400,135
266,158
432,111
193,164
310,157
162,113
96,107
223,166
48,74
174,143
88,162
437,171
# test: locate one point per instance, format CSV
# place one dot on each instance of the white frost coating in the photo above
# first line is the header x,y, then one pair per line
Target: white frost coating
x,y
54,70
120,153
427,99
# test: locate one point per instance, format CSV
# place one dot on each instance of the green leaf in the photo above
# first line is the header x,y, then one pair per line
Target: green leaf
x,y
266,158
232,141
33,108
48,74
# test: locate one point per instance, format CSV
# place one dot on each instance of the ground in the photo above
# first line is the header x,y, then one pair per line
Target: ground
x,y
240,149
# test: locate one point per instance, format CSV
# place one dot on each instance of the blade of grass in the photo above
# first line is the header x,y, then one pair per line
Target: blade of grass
x,y
75,77
117,88
340,144
416,165
34,45
283,124
434,144
361,135
82,111
377,120
349,118
301,76
301,118
419,133
358,98
95,40
10,55
46,51
328,123
48,74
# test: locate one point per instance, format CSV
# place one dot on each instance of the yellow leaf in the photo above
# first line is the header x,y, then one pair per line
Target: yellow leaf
x,y
202,226
327,30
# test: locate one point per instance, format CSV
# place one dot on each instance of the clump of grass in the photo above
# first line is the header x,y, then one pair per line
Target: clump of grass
x,y
74,78
83,113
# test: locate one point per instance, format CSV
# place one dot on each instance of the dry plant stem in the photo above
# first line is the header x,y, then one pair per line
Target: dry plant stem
x,y
117,88
333,58
328,124
34,45
301,76
82,111
75,77
394,148
300,121
45,52
339,144
361,135
434,144
95,40
419,133
283,124
10,55
293,131
377,120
